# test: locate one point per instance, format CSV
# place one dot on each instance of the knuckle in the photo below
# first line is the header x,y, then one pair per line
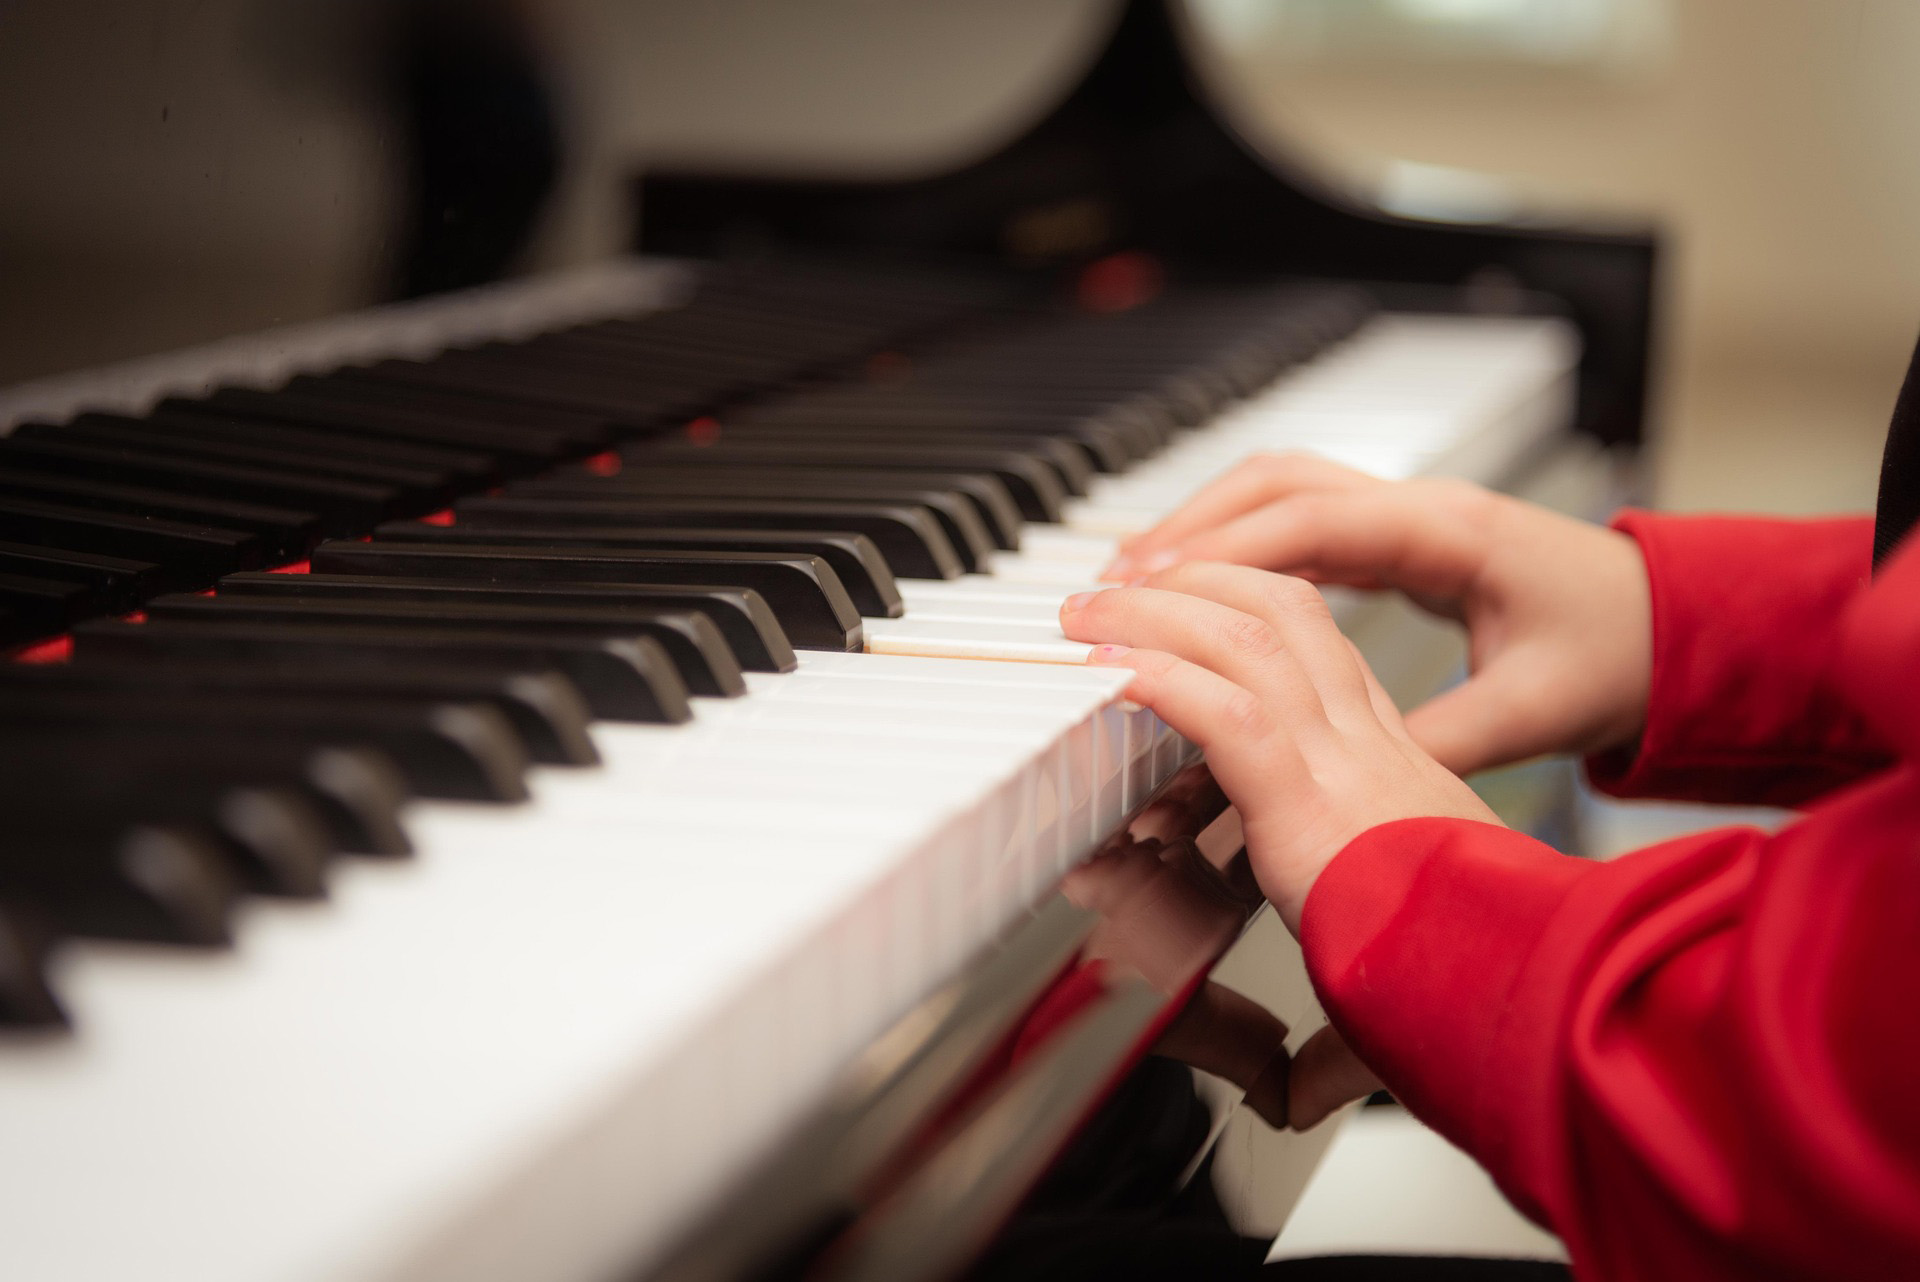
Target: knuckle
x,y
1250,636
1178,577
1296,598
1463,498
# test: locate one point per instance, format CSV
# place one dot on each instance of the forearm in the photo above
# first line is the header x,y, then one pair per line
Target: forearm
x,y
1682,1061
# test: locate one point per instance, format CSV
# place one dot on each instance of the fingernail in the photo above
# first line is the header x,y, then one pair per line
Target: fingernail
x,y
1122,568
1078,601
1107,653
1164,559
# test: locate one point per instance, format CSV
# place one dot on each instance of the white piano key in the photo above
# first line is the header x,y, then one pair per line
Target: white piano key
x,y
987,674
979,589
960,639
1018,567
1058,543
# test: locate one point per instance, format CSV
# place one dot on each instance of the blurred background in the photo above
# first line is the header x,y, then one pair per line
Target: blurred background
x,y
247,162
1777,143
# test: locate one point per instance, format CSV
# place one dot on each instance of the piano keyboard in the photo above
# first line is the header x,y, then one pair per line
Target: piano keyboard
x,y
714,750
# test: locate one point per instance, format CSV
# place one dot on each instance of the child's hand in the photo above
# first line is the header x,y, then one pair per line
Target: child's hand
x,y
1250,666
1557,610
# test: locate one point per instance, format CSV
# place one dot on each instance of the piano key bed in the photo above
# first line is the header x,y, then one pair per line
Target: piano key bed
x,y
667,696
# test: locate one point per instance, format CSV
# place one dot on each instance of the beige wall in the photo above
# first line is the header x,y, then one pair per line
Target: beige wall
x,y
1778,142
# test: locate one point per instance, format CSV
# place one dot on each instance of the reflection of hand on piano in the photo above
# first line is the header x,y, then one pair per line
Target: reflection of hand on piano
x,y
1251,667
1235,1038
1557,609
1167,912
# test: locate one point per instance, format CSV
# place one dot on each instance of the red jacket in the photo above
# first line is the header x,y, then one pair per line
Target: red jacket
x,y
1701,1060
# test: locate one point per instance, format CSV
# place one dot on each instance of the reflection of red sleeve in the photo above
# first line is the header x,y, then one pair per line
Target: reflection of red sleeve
x,y
1698,1061
1745,628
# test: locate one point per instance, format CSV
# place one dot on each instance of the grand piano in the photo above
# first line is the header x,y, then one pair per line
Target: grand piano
x,y
573,772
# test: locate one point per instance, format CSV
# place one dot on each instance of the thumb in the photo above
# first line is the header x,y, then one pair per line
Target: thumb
x,y
1481,722
1325,1075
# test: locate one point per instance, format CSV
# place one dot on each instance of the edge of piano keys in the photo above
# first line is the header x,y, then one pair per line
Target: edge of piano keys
x,y
626,1172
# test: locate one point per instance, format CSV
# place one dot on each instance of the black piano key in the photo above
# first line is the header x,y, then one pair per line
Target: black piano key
x,y
1072,465
189,552
120,582
544,707
45,605
1035,486
357,792
967,520
1110,445
151,882
516,446
908,536
804,593
343,506
276,839
281,840
571,432
622,679
857,565
27,940
613,402
469,467
1003,394
741,614
424,488
360,792
705,662
463,752
285,533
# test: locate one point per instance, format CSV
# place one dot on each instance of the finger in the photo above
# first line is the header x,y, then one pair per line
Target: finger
x,y
1233,1037
1325,1075
1398,536
1492,718
1246,486
1241,647
1227,723
1298,615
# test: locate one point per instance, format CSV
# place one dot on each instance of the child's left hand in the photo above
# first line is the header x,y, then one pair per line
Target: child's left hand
x,y
1249,666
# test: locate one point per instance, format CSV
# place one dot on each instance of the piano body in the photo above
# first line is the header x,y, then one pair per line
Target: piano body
x,y
576,776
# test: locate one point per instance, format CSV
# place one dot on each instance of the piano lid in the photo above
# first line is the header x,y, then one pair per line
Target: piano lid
x,y
1141,155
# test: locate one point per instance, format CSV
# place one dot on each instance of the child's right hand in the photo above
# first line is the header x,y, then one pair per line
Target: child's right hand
x,y
1557,610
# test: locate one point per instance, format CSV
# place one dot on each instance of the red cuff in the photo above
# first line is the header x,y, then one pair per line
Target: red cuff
x,y
1418,937
1743,706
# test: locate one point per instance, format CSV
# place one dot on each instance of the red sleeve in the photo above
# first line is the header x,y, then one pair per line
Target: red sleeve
x,y
1697,1062
1743,706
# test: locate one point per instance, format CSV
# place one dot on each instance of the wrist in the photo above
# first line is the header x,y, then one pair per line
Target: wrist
x,y
1625,582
